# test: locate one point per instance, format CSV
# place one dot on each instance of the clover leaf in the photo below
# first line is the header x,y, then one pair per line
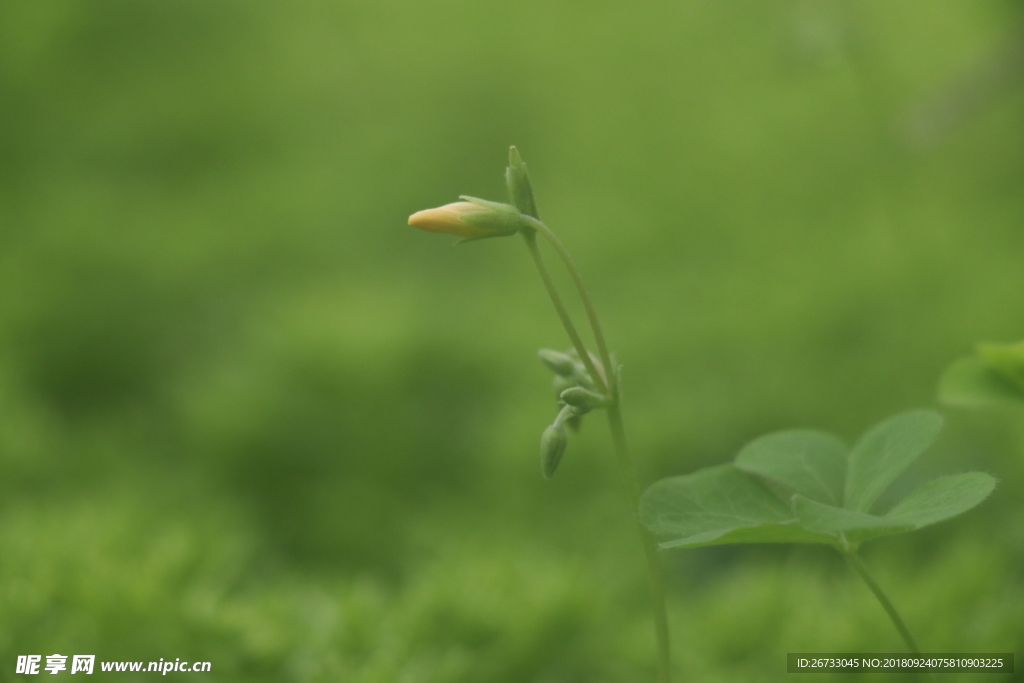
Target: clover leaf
x,y
812,464
806,487
720,505
884,453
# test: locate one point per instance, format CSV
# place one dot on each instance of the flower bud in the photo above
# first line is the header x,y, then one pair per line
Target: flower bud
x,y
552,446
582,400
519,187
560,384
473,219
557,362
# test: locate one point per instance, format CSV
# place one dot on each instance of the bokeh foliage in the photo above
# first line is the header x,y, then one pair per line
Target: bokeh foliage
x,y
248,416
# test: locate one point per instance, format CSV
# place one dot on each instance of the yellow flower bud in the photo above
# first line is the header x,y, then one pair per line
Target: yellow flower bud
x,y
472,220
446,219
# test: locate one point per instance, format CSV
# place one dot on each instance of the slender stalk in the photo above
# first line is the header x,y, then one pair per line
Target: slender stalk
x,y
623,457
628,472
563,313
855,562
588,304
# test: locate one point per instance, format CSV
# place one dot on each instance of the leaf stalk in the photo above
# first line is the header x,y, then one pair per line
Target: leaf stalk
x,y
850,554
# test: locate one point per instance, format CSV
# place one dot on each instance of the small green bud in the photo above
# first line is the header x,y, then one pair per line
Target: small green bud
x,y
520,190
558,362
552,446
560,384
583,400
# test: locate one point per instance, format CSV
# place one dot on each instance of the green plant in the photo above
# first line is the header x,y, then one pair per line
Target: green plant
x,y
798,486
994,375
584,381
805,486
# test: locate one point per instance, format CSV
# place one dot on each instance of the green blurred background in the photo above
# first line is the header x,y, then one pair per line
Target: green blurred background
x,y
249,416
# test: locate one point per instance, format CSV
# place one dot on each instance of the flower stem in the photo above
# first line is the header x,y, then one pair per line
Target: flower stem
x,y
588,304
855,562
628,472
608,383
563,313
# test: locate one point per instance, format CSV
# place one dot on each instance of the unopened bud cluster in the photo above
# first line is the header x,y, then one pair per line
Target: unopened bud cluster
x,y
475,219
576,394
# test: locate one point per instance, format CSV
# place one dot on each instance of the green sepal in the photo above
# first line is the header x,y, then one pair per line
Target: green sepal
x,y
495,218
488,204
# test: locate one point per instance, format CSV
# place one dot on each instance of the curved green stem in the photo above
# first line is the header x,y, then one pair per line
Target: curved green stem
x,y
623,457
564,414
563,313
890,609
588,304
